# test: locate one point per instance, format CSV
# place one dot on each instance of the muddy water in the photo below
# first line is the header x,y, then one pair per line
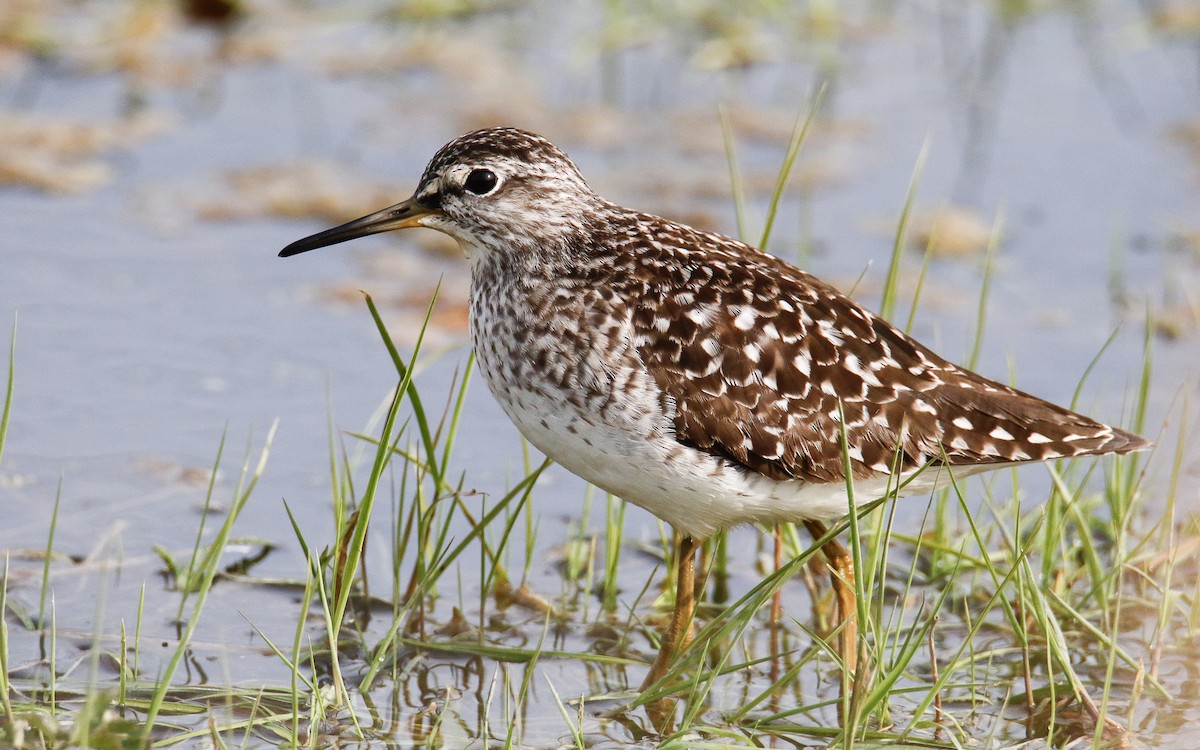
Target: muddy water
x,y
138,249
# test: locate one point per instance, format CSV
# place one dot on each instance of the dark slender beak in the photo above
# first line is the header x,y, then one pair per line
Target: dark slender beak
x,y
402,215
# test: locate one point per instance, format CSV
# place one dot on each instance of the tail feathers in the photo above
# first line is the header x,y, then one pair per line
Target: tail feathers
x,y
1125,442
980,427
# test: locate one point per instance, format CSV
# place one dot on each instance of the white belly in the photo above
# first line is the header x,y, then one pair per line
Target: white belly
x,y
694,492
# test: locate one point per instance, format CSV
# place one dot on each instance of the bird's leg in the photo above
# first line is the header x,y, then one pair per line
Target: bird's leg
x,y
777,599
841,573
679,632
704,561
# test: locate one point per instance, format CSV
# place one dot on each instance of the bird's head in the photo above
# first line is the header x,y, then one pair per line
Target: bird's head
x,y
499,189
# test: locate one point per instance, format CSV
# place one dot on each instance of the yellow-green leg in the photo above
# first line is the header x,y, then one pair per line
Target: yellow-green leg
x,y
841,573
679,633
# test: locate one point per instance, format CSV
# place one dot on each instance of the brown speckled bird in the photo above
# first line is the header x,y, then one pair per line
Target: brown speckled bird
x,y
695,376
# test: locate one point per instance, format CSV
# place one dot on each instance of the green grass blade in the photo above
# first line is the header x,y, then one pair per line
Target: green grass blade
x,y
799,135
735,173
887,305
405,371
984,288
5,688
8,389
49,554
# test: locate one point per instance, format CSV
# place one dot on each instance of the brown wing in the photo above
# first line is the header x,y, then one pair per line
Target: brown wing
x,y
754,355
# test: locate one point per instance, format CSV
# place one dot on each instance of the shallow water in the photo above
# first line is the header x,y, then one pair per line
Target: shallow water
x,y
147,331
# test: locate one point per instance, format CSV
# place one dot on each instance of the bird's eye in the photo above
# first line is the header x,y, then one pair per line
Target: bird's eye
x,y
481,181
